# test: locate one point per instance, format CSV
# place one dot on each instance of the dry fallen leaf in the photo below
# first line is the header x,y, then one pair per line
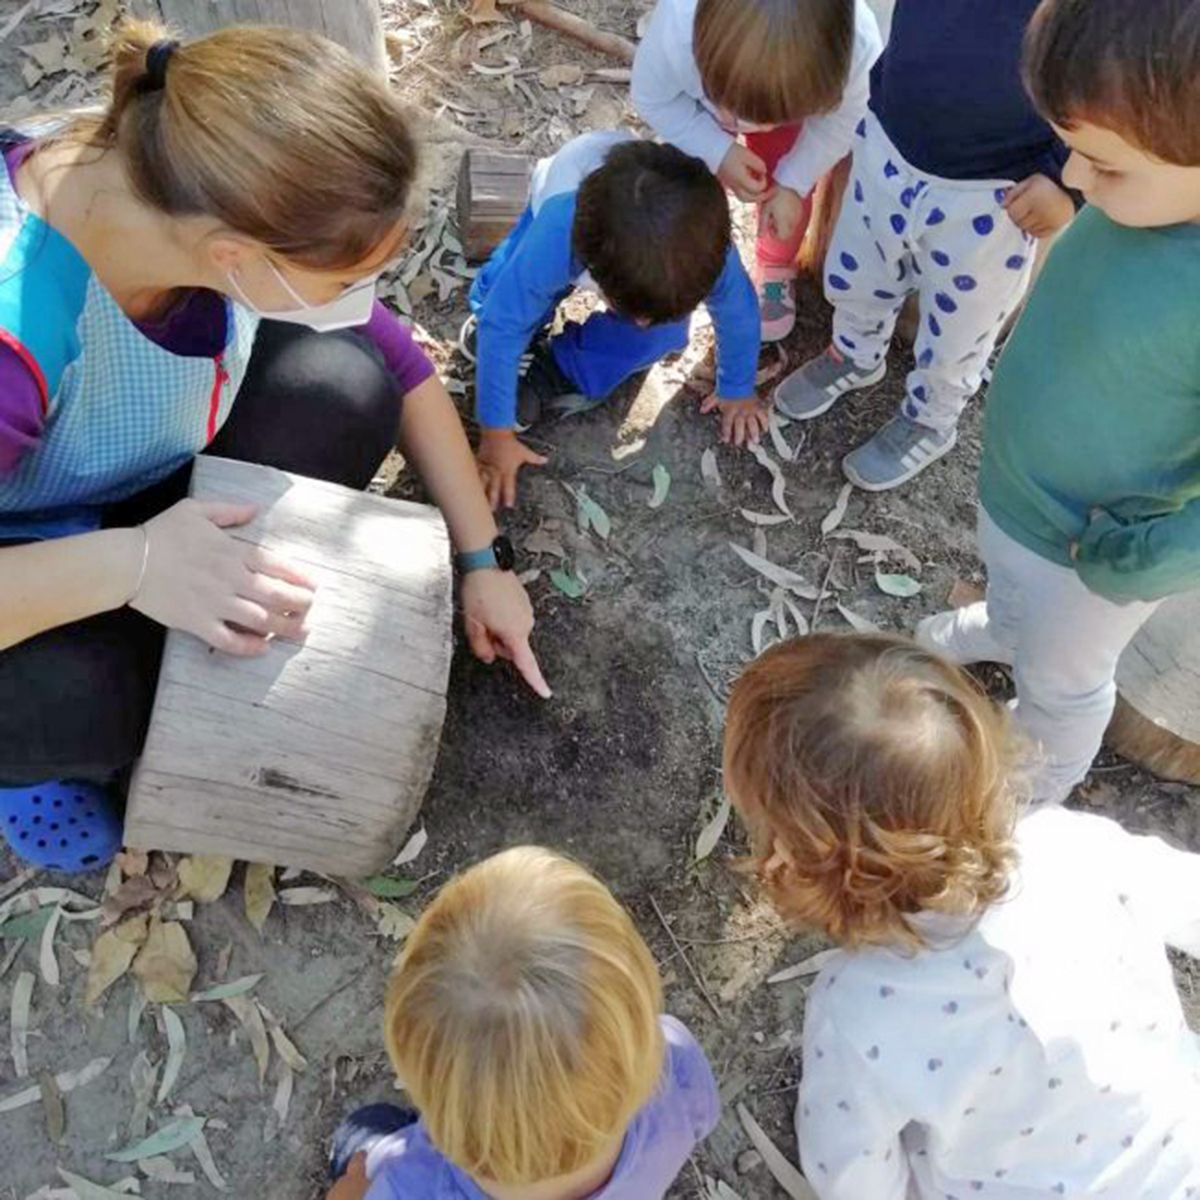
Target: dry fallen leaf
x,y
247,1013
858,623
67,1081
52,1103
133,862
483,11
879,543
136,893
785,1174
85,1189
143,1074
561,75
21,998
259,893
708,470
284,1046
112,953
204,877
166,964
833,518
810,966
710,835
302,897
393,922
762,518
47,962
277,1117
541,542
412,848
778,484
176,1049
203,1155
776,574
162,1170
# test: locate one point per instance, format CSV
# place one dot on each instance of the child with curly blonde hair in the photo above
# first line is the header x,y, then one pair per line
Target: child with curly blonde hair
x,y
525,1020
1001,1019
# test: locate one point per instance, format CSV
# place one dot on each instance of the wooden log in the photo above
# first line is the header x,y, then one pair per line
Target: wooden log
x,y
315,755
1157,722
493,189
355,24
621,48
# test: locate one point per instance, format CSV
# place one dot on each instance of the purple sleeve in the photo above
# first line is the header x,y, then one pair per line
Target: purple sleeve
x,y
394,340
21,415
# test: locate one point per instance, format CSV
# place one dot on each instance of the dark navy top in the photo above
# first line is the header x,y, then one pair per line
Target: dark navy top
x,y
948,92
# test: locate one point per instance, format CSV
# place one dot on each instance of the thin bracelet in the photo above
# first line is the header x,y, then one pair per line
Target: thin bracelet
x,y
145,560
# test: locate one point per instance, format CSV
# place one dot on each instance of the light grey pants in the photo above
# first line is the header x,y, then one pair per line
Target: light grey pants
x,y
1062,643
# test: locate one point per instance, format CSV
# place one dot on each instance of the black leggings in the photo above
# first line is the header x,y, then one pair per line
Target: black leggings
x,y
75,701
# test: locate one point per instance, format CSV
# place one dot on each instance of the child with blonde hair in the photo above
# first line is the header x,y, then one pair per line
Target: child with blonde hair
x,y
525,1020
1001,1019
767,93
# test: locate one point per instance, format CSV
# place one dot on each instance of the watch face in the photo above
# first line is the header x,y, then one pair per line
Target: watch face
x,y
503,550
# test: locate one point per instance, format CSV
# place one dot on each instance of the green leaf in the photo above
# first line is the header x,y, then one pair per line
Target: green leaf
x,y
569,584
223,991
170,1137
903,586
387,887
29,926
662,485
590,513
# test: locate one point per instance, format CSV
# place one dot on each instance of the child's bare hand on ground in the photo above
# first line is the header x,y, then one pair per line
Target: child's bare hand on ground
x,y
199,579
743,173
782,213
499,457
743,422
354,1184
499,619
1038,206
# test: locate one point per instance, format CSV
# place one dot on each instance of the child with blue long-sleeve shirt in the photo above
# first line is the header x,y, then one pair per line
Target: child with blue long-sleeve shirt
x,y
647,227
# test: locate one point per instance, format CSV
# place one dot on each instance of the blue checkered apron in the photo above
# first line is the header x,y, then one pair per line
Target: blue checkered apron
x,y
121,412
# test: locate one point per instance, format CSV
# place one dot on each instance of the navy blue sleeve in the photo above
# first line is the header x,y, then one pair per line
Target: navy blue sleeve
x,y
733,306
518,302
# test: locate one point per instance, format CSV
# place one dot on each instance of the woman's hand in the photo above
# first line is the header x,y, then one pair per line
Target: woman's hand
x,y
199,579
499,620
743,173
782,212
743,422
500,456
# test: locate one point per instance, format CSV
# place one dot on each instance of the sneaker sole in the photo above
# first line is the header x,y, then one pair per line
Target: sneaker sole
x,y
871,380
855,478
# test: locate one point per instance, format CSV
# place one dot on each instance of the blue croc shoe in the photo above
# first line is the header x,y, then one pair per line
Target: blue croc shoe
x,y
61,826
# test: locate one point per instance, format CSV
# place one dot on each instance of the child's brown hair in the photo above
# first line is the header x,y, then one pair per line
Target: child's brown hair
x,y
652,226
280,135
522,1018
1134,69
774,61
876,781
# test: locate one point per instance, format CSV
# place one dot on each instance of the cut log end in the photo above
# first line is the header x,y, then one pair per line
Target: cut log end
x,y
1153,746
493,189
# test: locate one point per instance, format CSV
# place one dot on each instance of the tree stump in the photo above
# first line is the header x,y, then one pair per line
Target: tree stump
x,y
315,755
355,24
1157,721
493,189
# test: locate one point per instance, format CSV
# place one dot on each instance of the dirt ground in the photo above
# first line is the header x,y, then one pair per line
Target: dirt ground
x,y
620,768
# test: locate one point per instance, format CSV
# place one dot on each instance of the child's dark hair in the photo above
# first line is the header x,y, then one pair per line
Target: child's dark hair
x,y
1134,69
774,61
652,226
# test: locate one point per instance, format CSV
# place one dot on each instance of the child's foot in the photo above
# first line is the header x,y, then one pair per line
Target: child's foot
x,y
61,826
815,387
897,452
776,302
543,386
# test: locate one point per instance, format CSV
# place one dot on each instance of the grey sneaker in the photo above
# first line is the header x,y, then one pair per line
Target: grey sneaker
x,y
897,452
815,387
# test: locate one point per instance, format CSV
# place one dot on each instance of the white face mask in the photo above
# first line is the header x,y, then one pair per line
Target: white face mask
x,y
352,307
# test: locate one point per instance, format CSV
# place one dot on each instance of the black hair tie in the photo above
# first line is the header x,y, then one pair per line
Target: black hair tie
x,y
157,58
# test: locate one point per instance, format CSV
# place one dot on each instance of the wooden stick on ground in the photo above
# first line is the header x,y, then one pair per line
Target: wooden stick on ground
x,y
576,27
687,962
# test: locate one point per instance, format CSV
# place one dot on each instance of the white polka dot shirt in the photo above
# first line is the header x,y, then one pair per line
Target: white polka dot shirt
x,y
1042,1053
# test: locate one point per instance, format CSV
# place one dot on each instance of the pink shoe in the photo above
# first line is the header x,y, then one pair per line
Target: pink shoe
x,y
776,301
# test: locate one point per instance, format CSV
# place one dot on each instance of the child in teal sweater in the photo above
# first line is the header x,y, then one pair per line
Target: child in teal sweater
x,y
1090,479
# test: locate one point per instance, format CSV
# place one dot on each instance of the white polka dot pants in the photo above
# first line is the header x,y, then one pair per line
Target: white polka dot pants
x,y
948,240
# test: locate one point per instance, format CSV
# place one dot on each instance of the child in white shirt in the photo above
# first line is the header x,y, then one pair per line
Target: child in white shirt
x,y
1002,1019
791,78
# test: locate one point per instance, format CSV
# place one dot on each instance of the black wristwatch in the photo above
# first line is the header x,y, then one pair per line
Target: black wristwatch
x,y
499,556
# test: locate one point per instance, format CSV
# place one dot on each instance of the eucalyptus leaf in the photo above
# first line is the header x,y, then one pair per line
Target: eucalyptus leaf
x,y
775,573
30,925
571,585
171,1136
224,991
388,888
662,485
903,586
710,835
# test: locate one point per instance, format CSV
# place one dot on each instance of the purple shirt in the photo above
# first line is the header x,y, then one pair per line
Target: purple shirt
x,y
685,1110
195,328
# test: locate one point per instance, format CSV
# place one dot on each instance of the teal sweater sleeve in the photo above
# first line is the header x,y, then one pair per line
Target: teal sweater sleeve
x,y
1144,561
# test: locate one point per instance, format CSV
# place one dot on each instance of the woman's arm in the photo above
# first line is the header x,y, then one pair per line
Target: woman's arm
x,y
496,610
47,584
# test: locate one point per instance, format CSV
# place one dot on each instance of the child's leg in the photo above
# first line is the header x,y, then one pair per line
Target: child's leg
x,y
971,265
606,349
974,267
363,1128
1063,643
775,258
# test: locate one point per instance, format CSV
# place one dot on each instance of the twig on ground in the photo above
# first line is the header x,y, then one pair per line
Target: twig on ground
x,y
619,47
718,695
337,991
687,962
824,590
